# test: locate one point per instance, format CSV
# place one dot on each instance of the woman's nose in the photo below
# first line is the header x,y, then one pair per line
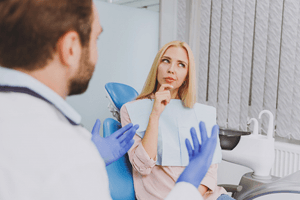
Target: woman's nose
x,y
171,68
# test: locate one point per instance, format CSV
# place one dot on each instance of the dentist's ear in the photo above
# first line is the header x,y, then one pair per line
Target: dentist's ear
x,y
69,50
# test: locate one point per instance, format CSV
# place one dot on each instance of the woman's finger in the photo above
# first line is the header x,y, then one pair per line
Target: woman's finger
x,y
164,93
165,87
164,98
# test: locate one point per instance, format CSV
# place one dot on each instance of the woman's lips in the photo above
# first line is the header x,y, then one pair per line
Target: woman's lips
x,y
169,80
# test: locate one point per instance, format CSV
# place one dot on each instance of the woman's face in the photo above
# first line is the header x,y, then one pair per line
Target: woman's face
x,y
173,67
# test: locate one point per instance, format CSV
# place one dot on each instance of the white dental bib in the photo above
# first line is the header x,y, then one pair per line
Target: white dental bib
x,y
175,123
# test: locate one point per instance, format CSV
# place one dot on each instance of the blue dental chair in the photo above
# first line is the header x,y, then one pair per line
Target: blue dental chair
x,y
119,172
119,94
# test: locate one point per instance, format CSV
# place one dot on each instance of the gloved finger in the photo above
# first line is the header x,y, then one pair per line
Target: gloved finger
x,y
120,132
126,146
215,131
210,146
203,132
214,135
126,137
96,127
195,139
189,148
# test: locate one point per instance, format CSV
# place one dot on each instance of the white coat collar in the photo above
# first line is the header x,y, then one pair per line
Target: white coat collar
x,y
16,81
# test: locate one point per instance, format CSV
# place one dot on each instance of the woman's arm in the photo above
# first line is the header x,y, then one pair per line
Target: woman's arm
x,y
149,141
138,157
202,189
209,182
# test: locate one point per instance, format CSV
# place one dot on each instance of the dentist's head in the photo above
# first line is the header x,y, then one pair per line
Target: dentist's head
x,y
53,41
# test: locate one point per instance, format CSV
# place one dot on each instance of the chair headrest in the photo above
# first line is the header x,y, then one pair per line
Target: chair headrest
x,y
120,93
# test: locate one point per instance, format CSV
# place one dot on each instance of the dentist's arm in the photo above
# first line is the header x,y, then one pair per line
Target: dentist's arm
x,y
116,145
200,160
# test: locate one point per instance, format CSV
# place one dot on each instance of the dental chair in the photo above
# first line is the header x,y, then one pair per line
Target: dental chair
x,y
119,94
119,172
237,147
258,184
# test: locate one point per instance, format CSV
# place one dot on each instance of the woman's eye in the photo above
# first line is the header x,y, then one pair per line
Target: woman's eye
x,y
166,60
181,65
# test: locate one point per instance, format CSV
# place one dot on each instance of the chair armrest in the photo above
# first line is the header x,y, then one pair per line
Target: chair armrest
x,y
231,188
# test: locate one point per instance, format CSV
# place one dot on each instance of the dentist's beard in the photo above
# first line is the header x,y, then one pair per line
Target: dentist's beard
x,y
80,82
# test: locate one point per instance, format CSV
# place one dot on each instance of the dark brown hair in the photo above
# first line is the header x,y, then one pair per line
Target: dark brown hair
x,y
30,29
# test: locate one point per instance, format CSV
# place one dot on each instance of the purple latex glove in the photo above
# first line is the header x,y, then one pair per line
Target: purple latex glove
x,y
113,147
201,156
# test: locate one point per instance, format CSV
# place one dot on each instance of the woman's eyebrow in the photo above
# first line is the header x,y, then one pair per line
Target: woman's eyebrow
x,y
167,57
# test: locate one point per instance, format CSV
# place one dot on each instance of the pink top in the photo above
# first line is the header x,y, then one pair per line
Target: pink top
x,y
152,182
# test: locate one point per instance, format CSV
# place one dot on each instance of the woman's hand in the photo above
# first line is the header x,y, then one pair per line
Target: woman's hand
x,y
162,98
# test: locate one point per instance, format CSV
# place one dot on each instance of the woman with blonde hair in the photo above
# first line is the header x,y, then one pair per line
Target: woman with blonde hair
x,y
166,109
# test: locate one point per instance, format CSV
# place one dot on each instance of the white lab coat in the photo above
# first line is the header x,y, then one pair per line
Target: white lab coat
x,y
44,156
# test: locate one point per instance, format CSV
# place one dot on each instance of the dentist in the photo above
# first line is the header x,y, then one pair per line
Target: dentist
x,y
48,52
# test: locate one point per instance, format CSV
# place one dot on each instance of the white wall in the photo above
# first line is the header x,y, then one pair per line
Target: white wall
x,y
126,49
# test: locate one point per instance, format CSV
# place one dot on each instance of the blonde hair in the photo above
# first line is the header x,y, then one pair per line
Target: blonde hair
x,y
187,91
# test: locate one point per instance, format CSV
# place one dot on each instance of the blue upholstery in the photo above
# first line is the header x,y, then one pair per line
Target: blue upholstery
x,y
120,93
119,172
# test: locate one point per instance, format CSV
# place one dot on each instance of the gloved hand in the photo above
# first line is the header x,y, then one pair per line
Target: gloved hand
x,y
116,145
201,157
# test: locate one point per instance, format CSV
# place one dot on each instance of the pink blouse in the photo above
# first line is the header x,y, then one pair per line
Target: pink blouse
x,y
152,182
